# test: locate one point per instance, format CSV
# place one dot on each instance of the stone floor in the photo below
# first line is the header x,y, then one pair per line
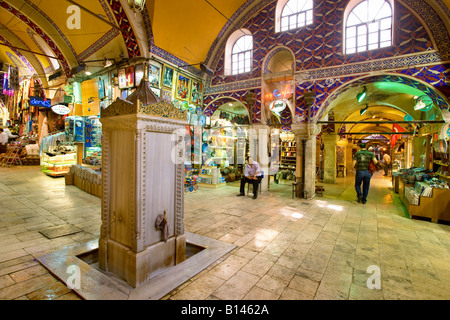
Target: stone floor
x,y
286,248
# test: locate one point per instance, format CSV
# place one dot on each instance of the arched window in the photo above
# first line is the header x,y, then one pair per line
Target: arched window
x,y
239,52
368,25
241,55
295,14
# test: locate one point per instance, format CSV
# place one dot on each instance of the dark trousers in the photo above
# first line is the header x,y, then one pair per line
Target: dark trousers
x,y
386,168
255,183
364,178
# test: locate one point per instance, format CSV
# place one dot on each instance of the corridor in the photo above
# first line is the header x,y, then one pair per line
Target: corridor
x,y
285,248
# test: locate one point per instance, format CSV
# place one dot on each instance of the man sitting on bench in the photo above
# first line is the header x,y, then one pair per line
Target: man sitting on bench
x,y
252,174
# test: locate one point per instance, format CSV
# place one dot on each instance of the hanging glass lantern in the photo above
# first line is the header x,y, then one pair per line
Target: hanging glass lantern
x,y
137,5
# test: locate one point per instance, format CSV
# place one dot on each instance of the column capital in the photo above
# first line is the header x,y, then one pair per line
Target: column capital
x,y
305,130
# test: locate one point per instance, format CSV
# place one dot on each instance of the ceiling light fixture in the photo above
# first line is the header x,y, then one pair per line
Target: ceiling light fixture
x,y
137,5
108,62
362,95
364,110
423,103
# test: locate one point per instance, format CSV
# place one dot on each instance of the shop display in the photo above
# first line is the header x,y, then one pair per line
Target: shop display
x,y
86,179
190,179
288,154
58,165
441,162
22,151
424,193
241,145
57,154
222,146
210,177
75,128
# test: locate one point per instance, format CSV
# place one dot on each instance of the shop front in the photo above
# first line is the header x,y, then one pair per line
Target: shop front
x,y
424,188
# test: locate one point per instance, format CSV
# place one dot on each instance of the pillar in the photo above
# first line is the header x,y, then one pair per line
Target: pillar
x,y
306,136
329,141
343,144
259,138
349,157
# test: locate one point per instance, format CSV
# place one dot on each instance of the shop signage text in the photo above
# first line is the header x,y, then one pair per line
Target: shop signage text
x,y
277,106
60,109
40,102
285,93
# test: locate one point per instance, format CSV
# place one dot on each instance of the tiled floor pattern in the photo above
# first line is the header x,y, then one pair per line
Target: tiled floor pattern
x,y
286,248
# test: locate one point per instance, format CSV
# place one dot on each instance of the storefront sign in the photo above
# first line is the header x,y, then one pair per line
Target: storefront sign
x,y
40,102
60,109
277,106
285,93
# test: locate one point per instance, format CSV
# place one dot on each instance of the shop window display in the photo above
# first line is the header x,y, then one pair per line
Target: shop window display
x,y
288,158
57,155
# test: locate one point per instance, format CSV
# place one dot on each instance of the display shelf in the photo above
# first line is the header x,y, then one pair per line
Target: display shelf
x,y
288,155
190,179
441,155
58,165
435,208
210,177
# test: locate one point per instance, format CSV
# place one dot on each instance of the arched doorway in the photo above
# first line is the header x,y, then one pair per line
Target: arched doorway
x,y
377,106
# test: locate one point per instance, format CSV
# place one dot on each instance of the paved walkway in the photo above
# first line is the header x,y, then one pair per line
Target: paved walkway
x,y
286,249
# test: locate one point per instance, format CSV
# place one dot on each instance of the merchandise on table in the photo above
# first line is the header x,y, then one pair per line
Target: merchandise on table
x,y
87,179
190,179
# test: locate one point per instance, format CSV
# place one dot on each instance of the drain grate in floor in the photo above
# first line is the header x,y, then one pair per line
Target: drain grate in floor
x,y
60,231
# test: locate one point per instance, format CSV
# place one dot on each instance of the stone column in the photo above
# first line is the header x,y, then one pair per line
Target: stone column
x,y
306,136
343,144
329,141
259,137
349,157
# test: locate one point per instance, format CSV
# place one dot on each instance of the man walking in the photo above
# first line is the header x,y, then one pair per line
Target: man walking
x,y
362,159
387,163
252,174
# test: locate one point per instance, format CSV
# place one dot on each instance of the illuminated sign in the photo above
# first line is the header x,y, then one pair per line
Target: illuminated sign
x,y
60,109
285,93
40,102
277,106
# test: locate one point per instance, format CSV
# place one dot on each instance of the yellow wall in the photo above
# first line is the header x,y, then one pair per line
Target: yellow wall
x,y
89,88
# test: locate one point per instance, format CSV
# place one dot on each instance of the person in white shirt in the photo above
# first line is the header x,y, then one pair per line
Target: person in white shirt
x,y
3,141
252,174
10,135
